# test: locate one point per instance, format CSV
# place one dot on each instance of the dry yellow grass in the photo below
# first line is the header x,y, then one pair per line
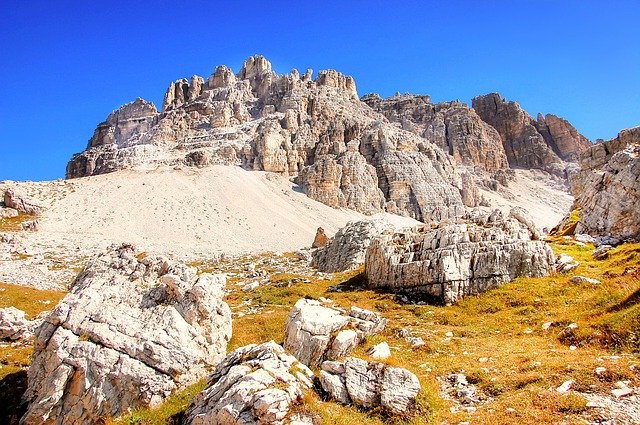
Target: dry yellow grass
x,y
498,341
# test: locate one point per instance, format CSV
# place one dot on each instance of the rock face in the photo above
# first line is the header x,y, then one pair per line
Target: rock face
x,y
449,261
370,384
314,333
607,188
133,329
346,250
255,384
341,152
452,126
544,144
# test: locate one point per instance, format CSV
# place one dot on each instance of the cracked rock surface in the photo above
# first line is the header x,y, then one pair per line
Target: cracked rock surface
x,y
133,329
254,384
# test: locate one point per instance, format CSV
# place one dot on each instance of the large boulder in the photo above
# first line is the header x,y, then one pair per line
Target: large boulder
x,y
448,261
315,333
346,250
254,384
371,385
607,188
133,329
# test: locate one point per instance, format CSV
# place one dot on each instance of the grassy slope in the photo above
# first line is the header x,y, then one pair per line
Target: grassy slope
x,y
498,340
503,328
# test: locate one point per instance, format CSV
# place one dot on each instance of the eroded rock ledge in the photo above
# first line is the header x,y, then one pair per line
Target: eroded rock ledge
x,y
448,261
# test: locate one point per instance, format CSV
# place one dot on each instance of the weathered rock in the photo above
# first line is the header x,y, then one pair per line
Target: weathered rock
x,y
347,249
584,279
562,137
380,351
341,152
20,203
565,263
314,333
370,384
450,261
132,329
13,324
254,384
320,239
452,126
601,252
542,144
607,188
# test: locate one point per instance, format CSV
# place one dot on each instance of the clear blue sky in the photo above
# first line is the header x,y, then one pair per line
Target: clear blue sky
x,y
67,64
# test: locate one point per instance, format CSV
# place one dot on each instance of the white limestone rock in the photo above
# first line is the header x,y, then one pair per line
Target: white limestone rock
x,y
347,249
254,384
314,333
451,260
133,329
371,384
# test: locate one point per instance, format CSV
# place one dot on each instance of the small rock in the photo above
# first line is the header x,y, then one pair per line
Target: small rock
x,y
449,334
546,326
380,351
622,392
600,370
601,252
565,387
250,286
583,279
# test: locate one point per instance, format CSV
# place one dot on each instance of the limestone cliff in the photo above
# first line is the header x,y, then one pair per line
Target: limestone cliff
x,y
341,151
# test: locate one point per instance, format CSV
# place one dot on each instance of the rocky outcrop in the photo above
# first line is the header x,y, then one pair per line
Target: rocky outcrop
x,y
346,250
543,144
341,152
452,126
448,261
20,204
607,188
13,324
132,329
370,385
314,333
254,384
320,239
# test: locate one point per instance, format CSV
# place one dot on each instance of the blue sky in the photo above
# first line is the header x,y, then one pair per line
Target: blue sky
x,y
67,64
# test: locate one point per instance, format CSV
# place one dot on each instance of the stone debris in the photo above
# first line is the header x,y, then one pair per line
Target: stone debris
x,y
371,384
565,263
314,333
601,252
347,249
254,384
448,261
412,340
457,389
133,329
584,279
